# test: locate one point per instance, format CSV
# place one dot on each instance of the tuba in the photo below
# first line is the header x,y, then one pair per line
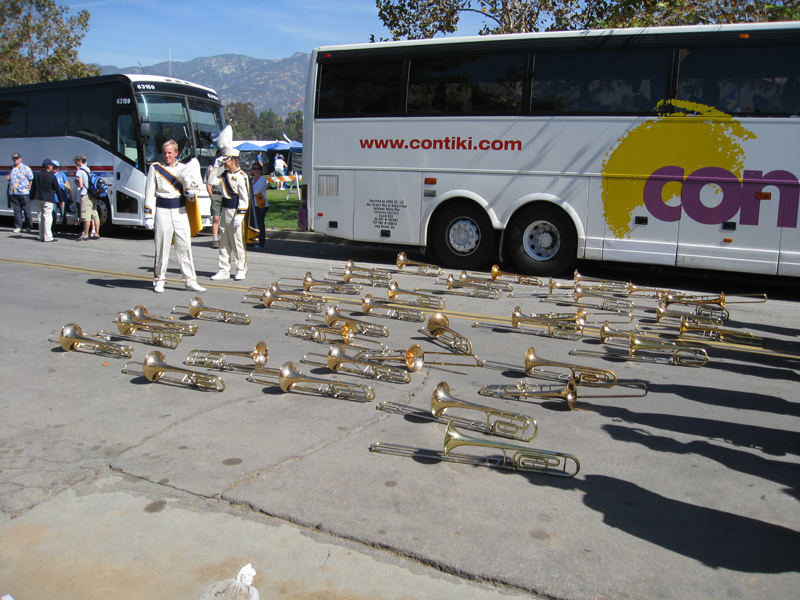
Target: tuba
x,y
337,359
197,311
290,380
155,366
438,328
421,300
217,359
140,314
425,269
522,459
71,337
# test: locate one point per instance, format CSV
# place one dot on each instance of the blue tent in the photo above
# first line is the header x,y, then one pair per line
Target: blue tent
x,y
254,146
293,146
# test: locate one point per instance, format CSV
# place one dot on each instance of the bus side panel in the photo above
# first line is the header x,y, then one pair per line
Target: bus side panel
x,y
789,258
332,211
387,206
633,235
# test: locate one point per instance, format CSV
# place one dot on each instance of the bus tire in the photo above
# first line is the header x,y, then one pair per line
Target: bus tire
x,y
463,236
104,212
542,240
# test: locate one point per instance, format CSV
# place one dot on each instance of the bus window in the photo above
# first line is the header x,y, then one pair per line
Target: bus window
x,y
12,115
126,138
207,122
360,88
599,82
740,80
90,113
467,85
46,112
168,121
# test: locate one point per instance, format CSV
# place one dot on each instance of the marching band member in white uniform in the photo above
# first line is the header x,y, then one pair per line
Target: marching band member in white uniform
x,y
235,186
165,210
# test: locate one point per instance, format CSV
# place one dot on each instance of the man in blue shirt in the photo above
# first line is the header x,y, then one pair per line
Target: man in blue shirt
x,y
19,189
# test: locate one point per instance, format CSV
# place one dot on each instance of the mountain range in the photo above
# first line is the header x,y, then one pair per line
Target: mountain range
x,y
279,84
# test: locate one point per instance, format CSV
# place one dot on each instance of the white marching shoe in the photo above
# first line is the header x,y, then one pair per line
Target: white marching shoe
x,y
158,288
194,287
239,276
221,275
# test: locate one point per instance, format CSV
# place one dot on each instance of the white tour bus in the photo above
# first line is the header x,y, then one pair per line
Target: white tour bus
x,y
667,146
119,122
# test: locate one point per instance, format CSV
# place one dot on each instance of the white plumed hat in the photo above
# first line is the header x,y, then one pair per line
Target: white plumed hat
x,y
225,142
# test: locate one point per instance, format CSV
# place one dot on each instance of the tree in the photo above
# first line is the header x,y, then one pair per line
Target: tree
x,y
39,42
415,19
242,118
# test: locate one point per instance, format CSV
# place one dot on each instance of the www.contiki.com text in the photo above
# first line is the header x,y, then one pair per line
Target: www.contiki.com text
x,y
448,143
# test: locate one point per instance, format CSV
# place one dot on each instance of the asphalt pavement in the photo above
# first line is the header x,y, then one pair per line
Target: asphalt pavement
x,y
112,485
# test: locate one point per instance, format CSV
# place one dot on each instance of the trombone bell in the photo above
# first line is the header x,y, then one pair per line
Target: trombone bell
x,y
155,367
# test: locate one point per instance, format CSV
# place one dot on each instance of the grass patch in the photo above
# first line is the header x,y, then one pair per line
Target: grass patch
x,y
282,211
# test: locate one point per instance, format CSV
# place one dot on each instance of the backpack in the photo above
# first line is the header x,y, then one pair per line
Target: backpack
x,y
97,186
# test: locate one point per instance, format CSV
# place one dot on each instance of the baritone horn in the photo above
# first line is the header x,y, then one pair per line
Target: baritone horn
x,y
197,310
71,337
290,380
425,269
155,367
438,328
500,423
218,359
521,459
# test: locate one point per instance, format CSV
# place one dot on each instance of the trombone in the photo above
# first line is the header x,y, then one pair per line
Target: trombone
x,y
327,335
580,374
337,358
415,358
326,287
706,333
140,314
491,283
290,380
521,459
197,311
351,265
438,328
374,279
555,325
377,307
471,290
569,392
425,269
217,359
155,366
270,299
71,337
499,275
334,318
662,313
127,325
421,300
500,423
640,347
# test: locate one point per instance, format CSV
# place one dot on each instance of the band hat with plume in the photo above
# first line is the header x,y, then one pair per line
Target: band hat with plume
x,y
224,142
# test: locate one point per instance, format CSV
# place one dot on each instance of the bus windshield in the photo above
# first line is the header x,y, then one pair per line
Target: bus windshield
x,y
170,120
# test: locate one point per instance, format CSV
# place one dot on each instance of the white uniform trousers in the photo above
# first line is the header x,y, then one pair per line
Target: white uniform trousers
x,y
173,224
231,244
45,220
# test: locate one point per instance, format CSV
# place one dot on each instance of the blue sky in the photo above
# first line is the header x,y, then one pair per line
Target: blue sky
x,y
126,32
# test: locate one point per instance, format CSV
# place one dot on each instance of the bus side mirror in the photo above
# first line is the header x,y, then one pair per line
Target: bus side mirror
x,y
144,127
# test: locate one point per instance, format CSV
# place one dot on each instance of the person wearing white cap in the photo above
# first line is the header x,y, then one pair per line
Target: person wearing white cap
x,y
235,186
165,211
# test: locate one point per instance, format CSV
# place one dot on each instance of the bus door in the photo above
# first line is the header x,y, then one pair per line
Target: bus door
x,y
387,206
128,183
633,232
730,224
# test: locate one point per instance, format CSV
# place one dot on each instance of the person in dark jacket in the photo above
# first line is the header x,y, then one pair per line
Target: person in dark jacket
x,y
45,190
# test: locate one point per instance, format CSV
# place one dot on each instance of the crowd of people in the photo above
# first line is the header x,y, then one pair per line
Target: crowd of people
x,y
231,190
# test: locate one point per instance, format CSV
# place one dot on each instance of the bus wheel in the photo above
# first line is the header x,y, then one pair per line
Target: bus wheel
x,y
542,240
463,237
104,212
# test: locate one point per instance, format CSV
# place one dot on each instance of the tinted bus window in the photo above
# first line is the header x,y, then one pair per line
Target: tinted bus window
x,y
90,110
755,81
600,82
12,115
360,88
467,85
47,112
